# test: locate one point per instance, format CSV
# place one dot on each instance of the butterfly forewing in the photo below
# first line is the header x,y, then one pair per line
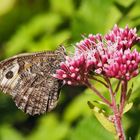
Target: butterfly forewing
x,y
28,79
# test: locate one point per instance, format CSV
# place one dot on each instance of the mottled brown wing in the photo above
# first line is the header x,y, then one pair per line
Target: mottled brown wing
x,y
28,79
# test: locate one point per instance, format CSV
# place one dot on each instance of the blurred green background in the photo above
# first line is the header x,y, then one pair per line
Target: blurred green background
x,y
37,25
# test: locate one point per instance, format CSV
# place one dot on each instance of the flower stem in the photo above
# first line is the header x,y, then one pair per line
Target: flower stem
x,y
123,96
109,88
117,87
115,109
113,105
88,84
99,81
117,121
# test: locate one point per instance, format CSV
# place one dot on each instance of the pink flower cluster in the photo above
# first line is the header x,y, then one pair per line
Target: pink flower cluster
x,y
108,55
124,38
123,64
74,70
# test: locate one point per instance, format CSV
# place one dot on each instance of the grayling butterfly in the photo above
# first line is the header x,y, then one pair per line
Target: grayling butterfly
x,y
28,79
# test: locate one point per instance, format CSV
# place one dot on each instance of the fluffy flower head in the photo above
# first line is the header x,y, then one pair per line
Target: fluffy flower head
x,y
124,38
108,55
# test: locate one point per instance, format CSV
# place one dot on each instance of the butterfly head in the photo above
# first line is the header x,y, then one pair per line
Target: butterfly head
x,y
61,50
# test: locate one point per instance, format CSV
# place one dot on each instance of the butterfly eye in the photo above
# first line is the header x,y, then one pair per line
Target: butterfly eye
x,y
9,75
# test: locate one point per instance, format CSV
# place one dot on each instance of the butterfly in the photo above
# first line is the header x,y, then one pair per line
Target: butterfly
x,y
28,79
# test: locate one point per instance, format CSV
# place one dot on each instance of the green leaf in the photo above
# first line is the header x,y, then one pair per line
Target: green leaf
x,y
29,33
138,136
129,92
85,15
100,102
6,6
102,118
120,7
49,42
50,128
90,129
7,132
123,9
60,7
127,107
77,107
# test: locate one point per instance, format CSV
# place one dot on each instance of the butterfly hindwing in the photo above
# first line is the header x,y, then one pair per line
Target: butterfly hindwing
x,y
28,79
